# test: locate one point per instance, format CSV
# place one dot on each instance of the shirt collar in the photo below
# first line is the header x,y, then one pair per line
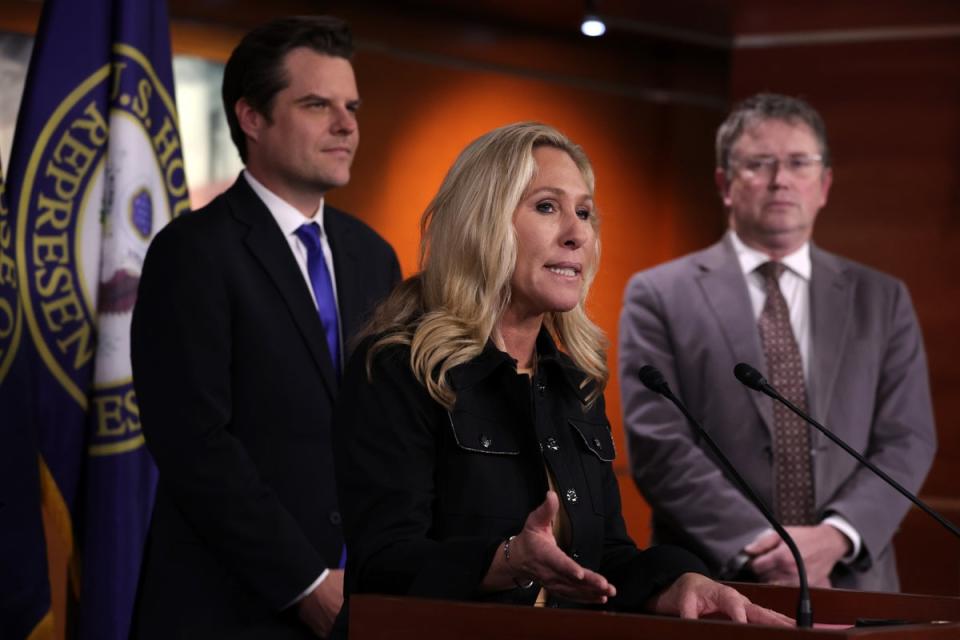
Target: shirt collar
x,y
287,216
798,262
491,359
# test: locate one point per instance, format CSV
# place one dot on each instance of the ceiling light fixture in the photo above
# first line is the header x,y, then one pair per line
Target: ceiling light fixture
x,y
592,25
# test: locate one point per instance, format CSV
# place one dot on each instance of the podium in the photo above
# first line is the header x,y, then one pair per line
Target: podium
x,y
375,617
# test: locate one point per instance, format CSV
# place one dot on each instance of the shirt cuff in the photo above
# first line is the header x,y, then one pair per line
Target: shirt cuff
x,y
308,590
856,542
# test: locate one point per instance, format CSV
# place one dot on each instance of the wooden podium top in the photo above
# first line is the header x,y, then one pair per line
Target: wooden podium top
x,y
843,606
391,617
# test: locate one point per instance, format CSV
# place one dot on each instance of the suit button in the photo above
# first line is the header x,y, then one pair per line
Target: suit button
x,y
551,443
541,386
335,518
597,443
485,441
571,496
575,555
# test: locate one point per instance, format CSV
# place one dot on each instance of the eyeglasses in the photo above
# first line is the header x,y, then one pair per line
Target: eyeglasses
x,y
799,165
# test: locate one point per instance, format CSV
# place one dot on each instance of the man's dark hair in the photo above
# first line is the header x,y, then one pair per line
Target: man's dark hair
x,y
768,106
255,70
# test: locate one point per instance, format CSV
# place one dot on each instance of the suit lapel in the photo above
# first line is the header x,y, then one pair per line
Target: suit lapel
x,y
346,267
270,248
831,299
725,291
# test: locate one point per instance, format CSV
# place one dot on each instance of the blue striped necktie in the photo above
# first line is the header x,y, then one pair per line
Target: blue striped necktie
x,y
322,284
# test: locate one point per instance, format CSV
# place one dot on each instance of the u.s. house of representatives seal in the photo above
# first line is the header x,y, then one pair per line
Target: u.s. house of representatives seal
x,y
10,316
106,173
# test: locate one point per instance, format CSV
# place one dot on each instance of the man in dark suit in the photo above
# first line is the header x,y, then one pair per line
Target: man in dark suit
x,y
842,338
244,311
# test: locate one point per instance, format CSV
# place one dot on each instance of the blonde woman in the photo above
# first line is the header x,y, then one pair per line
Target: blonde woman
x,y
472,448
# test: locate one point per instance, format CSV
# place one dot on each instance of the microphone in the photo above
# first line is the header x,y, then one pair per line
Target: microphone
x,y
652,379
752,378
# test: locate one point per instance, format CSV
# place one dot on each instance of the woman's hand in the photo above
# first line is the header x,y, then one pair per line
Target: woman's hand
x,y
534,555
695,596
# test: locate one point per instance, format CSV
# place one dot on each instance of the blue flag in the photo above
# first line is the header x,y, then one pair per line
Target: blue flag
x,y
96,169
24,589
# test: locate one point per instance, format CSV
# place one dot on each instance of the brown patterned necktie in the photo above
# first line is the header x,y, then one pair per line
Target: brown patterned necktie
x,y
793,492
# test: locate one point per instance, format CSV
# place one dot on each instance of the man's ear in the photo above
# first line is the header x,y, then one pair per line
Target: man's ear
x,y
826,180
251,121
723,185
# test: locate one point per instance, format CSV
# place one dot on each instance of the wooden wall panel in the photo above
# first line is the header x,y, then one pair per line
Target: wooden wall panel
x,y
928,557
893,114
892,110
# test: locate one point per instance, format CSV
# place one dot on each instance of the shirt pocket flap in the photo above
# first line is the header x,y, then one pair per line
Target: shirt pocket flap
x,y
473,433
596,437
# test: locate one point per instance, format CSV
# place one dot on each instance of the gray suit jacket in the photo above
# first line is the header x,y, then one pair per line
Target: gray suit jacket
x,y
692,318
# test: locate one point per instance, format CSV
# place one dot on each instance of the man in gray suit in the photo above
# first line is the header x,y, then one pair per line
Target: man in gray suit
x,y
839,337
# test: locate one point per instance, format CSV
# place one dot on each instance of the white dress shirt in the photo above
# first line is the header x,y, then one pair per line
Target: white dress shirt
x,y
289,219
795,287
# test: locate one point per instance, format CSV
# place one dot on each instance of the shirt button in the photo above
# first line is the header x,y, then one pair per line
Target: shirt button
x,y
335,518
485,441
597,443
571,496
541,386
551,443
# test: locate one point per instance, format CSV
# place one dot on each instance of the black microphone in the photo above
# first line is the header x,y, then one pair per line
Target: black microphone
x,y
654,380
752,378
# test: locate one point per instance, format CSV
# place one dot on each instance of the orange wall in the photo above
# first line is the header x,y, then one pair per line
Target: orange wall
x,y
892,112
891,108
652,159
653,166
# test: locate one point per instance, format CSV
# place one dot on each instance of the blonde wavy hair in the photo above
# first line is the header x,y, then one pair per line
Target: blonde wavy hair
x,y
468,251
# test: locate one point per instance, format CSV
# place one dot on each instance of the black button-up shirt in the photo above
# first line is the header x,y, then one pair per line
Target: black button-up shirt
x,y
428,495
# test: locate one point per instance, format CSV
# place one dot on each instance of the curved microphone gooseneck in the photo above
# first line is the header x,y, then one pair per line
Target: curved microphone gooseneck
x,y
654,380
752,378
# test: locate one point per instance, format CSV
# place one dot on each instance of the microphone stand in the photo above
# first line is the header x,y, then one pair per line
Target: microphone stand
x,y
752,378
654,380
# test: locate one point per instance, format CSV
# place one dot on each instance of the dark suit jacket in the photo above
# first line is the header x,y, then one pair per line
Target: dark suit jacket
x,y
692,318
429,495
235,388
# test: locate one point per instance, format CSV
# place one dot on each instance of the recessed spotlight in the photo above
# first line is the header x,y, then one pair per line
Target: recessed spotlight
x,y
592,26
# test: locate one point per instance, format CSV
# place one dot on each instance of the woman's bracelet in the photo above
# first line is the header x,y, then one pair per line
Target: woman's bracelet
x,y
506,555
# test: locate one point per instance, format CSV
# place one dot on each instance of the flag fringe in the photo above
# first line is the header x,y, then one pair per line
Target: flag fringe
x,y
44,629
56,508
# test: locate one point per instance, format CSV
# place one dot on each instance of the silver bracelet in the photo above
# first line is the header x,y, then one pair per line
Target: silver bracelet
x,y
506,555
